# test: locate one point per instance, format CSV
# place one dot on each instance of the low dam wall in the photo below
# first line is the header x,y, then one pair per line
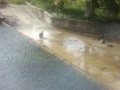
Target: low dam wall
x,y
110,30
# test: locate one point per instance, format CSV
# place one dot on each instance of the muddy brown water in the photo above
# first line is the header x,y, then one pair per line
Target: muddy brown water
x,y
87,54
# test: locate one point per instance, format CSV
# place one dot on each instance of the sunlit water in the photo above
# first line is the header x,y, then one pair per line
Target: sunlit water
x,y
89,55
25,66
95,59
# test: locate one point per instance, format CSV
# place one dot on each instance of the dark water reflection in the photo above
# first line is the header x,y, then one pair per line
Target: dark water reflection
x,y
25,66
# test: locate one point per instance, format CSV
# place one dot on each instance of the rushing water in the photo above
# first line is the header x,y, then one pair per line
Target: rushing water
x,y
25,66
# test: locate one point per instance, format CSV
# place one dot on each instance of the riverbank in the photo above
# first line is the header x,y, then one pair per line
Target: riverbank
x,y
111,31
76,10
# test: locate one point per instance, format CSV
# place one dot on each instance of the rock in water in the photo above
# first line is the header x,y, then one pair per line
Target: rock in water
x,y
109,45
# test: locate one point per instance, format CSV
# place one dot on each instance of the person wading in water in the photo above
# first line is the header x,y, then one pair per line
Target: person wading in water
x,y
41,35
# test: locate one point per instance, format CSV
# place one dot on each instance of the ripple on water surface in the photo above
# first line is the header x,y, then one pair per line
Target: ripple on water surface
x,y
25,66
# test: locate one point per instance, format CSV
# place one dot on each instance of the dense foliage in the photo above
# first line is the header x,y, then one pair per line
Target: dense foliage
x,y
15,1
93,10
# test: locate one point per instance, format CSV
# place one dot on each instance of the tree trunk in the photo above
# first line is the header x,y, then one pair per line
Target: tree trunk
x,y
89,9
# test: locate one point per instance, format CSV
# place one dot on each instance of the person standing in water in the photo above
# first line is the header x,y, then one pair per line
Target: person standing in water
x,y
41,35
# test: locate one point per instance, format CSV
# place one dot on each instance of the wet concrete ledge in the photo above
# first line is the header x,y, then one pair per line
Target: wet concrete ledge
x,y
110,30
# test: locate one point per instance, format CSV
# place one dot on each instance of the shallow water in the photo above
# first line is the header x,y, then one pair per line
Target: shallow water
x,y
89,55
25,66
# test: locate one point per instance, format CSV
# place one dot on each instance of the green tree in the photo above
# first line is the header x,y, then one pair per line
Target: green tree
x,y
91,5
111,6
